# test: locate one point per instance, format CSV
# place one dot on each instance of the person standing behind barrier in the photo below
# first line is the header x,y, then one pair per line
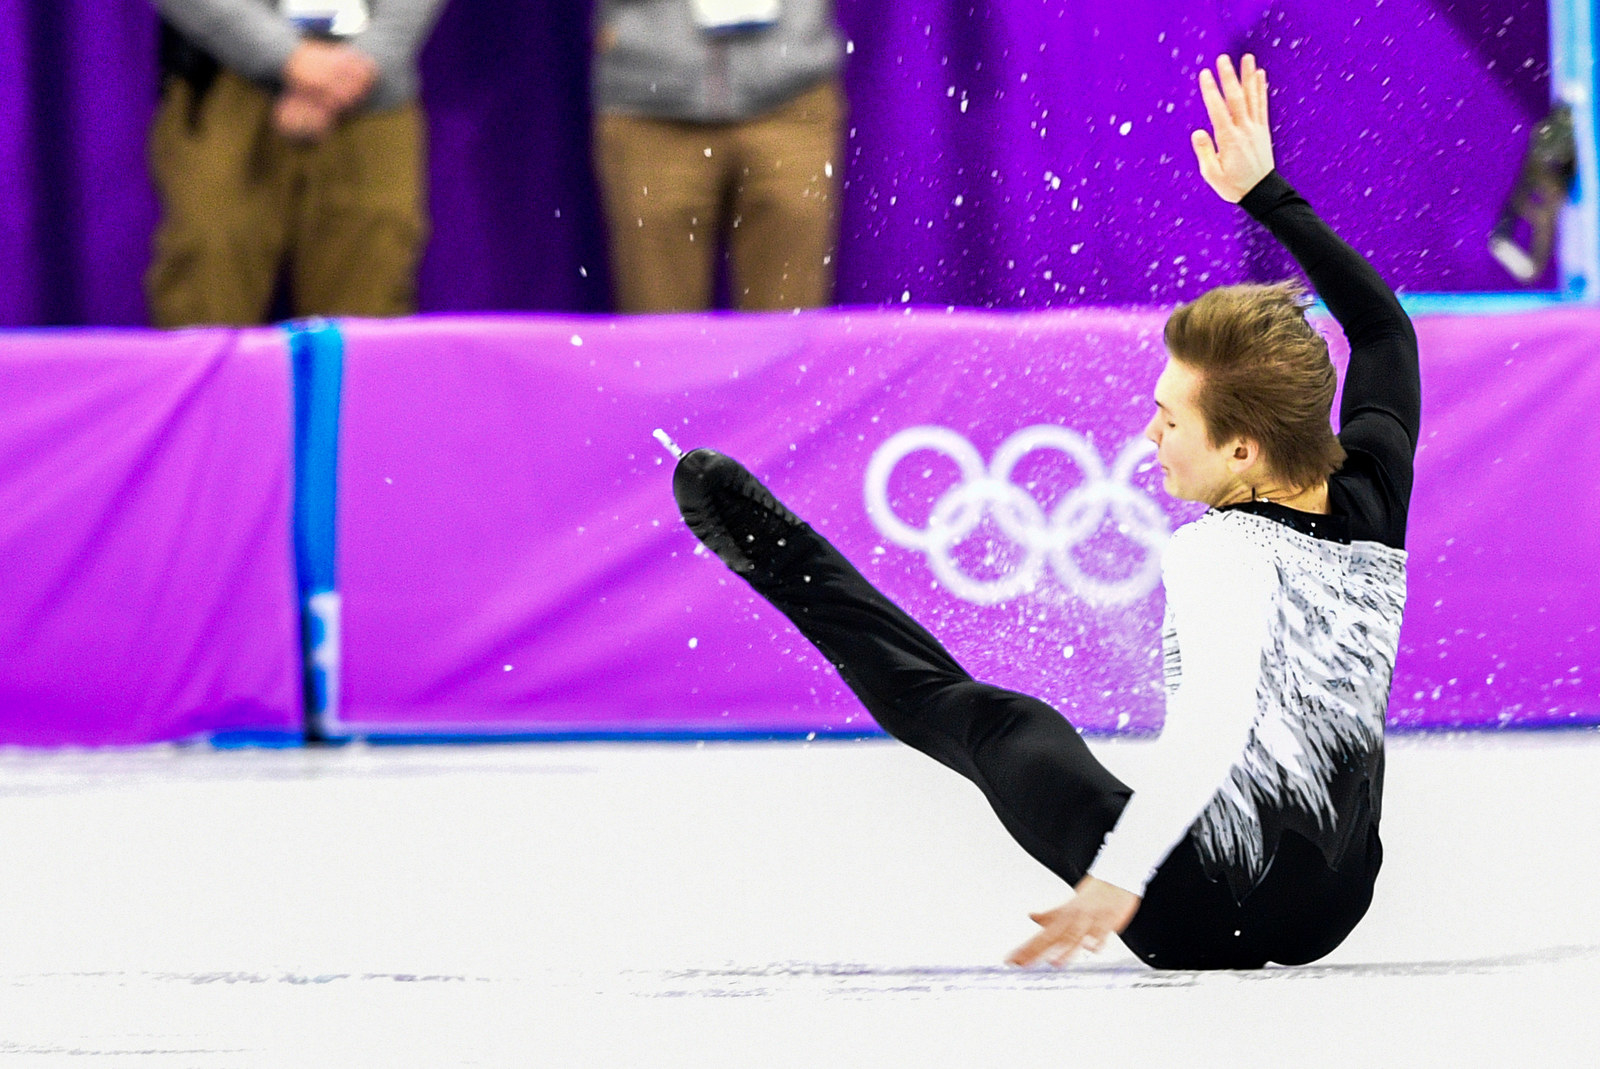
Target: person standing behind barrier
x,y
717,123
288,138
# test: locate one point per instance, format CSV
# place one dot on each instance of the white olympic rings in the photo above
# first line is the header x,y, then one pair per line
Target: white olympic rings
x,y
987,489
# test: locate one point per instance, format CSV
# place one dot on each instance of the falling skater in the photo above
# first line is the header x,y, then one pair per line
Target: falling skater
x,y
1255,838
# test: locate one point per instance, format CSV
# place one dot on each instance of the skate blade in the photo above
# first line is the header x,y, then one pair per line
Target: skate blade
x,y
667,443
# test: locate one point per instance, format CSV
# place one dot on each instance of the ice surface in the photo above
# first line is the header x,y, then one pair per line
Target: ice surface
x,y
732,904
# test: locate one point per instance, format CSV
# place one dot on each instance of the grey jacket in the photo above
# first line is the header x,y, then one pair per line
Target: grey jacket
x,y
652,60
250,38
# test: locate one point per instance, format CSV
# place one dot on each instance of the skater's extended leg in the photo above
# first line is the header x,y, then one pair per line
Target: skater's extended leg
x,y
1054,798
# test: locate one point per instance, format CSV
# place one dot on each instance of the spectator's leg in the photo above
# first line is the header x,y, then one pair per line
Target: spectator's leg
x,y
223,185
785,225
662,183
361,222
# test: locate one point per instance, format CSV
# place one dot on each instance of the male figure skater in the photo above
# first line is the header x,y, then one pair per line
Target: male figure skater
x,y
1256,837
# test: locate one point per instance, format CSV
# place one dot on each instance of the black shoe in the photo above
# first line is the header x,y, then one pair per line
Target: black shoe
x,y
736,517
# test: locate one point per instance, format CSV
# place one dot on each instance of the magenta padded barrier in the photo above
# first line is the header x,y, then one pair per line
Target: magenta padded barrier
x,y
511,560
144,516
1501,625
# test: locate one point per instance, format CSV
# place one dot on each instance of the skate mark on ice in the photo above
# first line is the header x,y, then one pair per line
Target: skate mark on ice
x,y
848,980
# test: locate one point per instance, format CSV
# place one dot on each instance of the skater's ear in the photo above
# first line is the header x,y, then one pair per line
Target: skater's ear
x,y
1244,456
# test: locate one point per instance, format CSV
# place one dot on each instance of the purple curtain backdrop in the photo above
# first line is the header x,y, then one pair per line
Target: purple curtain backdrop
x,y
148,589
511,560
1023,154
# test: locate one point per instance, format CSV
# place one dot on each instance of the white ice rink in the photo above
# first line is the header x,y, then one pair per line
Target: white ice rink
x,y
736,904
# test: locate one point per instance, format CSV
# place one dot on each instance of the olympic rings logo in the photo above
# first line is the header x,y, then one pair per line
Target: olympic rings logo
x,y
988,490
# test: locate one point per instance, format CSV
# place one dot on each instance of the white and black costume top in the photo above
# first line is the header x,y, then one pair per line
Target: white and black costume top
x,y
1282,626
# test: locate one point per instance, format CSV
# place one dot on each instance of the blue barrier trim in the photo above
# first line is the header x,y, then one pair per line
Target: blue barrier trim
x,y
685,736
1509,302
1482,304
257,740
316,356
316,359
279,740
1574,40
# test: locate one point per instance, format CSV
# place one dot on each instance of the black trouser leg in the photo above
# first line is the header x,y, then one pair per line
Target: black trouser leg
x,y
1051,794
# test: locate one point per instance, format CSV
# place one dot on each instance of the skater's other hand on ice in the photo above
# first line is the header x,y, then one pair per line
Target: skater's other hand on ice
x,y
1099,911
1238,152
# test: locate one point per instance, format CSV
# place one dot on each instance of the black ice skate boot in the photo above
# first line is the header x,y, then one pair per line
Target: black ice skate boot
x,y
738,519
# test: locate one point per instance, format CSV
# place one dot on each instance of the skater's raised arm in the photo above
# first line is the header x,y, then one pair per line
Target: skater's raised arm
x,y
1380,413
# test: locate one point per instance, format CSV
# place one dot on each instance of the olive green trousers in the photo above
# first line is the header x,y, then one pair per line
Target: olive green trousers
x,y
342,220
767,189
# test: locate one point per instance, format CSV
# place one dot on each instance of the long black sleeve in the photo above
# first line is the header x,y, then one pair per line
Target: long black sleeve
x,y
1381,413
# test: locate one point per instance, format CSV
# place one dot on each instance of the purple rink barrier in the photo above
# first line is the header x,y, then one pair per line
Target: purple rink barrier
x,y
511,560
147,590
1501,624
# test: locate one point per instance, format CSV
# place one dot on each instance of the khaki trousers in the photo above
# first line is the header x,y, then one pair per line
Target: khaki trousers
x,y
346,216
768,188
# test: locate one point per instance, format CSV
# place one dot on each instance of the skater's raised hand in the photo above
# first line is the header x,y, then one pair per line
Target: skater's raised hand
x,y
1098,911
1238,152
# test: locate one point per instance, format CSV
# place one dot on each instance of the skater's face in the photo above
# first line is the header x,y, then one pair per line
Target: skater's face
x,y
1192,466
